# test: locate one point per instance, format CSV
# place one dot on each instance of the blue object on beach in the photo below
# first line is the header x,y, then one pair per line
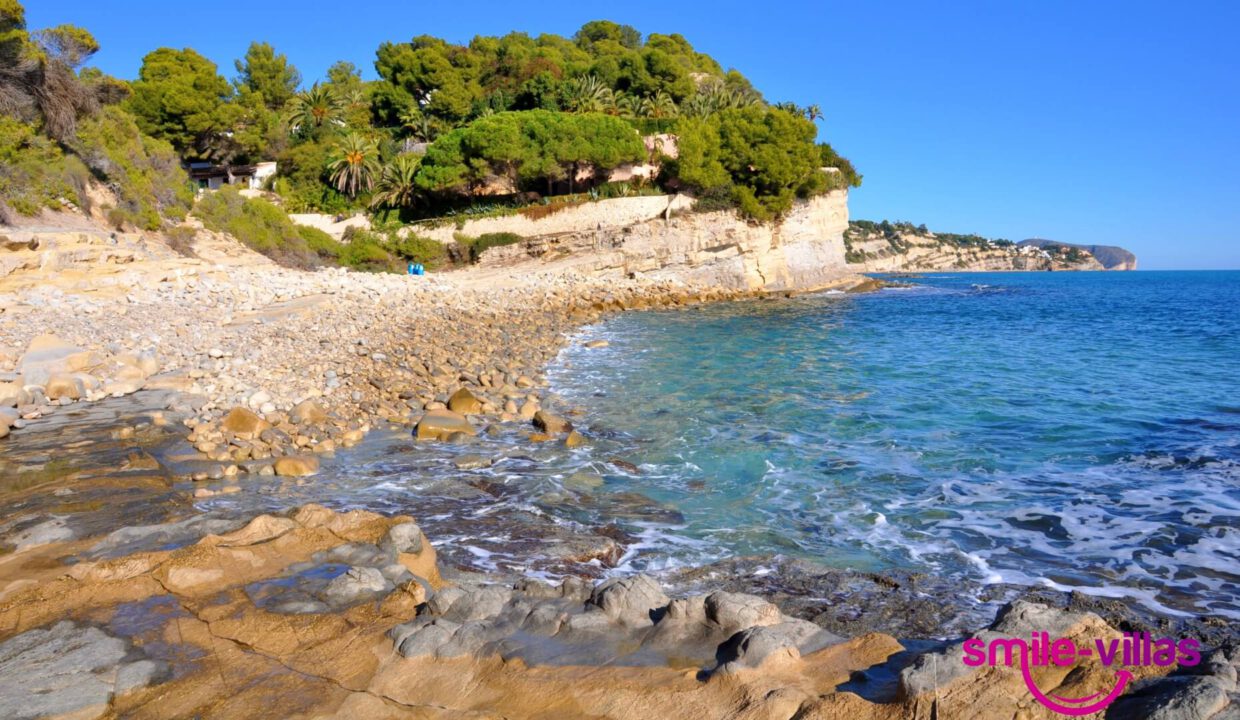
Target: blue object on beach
x,y
416,269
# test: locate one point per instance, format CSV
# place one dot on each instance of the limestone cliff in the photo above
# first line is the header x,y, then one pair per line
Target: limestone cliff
x,y
887,247
663,237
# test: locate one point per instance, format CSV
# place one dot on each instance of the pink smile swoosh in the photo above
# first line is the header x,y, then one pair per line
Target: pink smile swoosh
x,y
1050,702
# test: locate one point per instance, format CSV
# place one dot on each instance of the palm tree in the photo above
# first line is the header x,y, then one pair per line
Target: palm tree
x,y
314,107
421,128
696,105
663,106
742,99
628,106
354,164
589,94
396,185
813,112
659,107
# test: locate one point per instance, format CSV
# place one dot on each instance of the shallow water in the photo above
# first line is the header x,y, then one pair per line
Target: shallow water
x,y
1076,430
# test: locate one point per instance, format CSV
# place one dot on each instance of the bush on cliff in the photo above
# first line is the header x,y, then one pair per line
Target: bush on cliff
x,y
471,249
145,173
266,229
61,128
762,157
531,150
391,252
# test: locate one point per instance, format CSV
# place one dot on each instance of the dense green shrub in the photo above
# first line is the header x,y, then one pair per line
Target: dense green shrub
x,y
266,229
326,247
472,248
364,252
533,150
763,157
34,172
145,173
413,248
390,252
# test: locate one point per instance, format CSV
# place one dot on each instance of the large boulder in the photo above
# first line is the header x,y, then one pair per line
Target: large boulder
x,y
737,611
355,584
244,424
65,386
632,600
551,424
297,465
751,647
464,402
308,412
441,425
48,355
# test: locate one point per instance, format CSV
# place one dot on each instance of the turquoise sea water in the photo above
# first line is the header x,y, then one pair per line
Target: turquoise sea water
x,y
1077,430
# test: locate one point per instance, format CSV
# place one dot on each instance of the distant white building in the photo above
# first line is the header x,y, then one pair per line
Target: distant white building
x,y
213,177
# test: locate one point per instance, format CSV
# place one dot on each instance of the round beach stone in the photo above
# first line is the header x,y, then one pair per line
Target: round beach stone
x,y
442,425
464,402
297,465
551,424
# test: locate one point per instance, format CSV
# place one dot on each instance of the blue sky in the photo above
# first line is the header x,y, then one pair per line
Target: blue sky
x,y
1091,122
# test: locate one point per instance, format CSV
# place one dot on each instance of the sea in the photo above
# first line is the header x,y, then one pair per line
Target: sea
x,y
1073,430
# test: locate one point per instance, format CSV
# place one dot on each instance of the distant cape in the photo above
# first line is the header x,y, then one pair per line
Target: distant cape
x,y
1111,257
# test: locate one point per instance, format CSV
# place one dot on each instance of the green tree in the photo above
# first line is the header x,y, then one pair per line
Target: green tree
x,y
442,79
313,108
269,75
764,157
420,127
38,81
588,94
598,31
179,97
354,165
659,107
829,158
398,186
534,148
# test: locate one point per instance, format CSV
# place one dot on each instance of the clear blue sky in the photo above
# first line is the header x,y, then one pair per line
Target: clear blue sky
x,y
1082,121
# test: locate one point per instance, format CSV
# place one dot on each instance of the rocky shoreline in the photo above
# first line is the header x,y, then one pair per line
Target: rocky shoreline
x,y
193,383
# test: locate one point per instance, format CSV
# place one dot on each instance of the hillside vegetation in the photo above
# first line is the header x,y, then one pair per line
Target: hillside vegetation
x,y
499,124
61,128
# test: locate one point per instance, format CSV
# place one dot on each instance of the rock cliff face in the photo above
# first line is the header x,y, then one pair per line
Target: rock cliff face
x,y
666,239
903,251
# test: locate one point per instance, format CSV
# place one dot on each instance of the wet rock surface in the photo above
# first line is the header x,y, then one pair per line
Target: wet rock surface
x,y
625,621
69,668
349,609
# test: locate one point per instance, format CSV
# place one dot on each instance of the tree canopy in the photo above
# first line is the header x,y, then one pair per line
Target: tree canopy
x,y
763,157
533,148
267,74
180,97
